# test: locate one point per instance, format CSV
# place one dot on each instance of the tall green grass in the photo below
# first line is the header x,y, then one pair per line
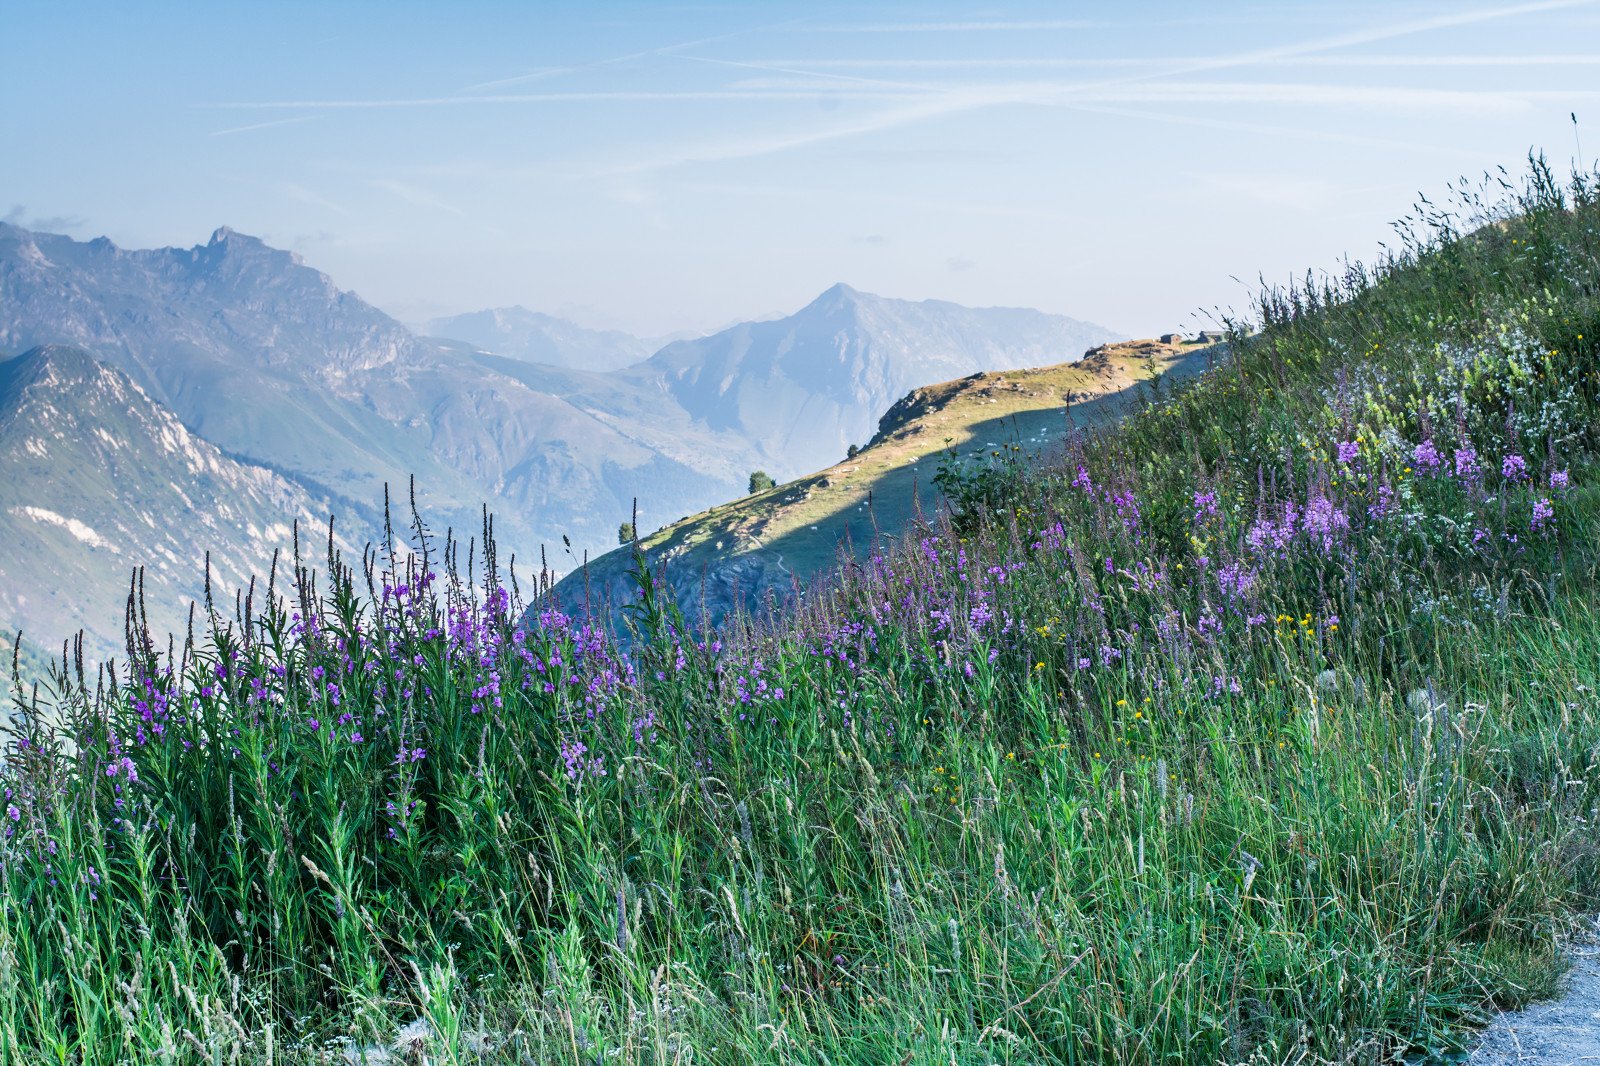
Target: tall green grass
x,y
1126,767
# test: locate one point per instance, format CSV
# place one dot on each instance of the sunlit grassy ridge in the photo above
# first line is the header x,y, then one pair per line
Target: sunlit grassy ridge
x,y
1264,727
752,554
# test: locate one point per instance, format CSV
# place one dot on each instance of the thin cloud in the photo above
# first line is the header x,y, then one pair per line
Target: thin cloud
x,y
960,205
668,49
296,191
1308,93
1092,62
903,63
1270,130
1081,96
924,103
1294,51
1476,101
987,26
303,241
1274,54
1383,33
958,96
413,195
1449,61
19,216
952,104
564,97
265,125
798,69
744,148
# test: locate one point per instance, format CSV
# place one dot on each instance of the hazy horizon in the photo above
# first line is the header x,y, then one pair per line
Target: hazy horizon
x,y
659,168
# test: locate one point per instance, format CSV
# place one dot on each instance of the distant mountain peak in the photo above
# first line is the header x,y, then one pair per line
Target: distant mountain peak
x,y
801,387
836,296
60,361
226,241
52,381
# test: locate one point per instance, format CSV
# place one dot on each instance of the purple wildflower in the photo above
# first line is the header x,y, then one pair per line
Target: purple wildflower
x,y
1325,522
1236,582
1382,502
1425,458
1542,513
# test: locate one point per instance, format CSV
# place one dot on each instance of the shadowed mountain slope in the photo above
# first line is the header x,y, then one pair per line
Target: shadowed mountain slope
x,y
96,478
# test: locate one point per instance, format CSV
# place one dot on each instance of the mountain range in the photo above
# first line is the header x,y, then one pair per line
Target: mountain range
x,y
266,358
295,399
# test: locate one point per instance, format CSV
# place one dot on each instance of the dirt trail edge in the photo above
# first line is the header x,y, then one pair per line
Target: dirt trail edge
x,y
1558,1032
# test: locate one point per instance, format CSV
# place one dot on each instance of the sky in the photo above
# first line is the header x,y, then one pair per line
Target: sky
x,y
661,166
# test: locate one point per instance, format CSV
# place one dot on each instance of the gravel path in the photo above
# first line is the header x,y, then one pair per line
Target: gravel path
x,y
1560,1032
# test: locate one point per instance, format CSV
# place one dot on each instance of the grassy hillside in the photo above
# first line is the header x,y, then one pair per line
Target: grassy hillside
x,y
736,556
1261,726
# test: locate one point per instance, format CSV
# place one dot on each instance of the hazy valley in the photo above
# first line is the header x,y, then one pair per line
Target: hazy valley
x,y
207,398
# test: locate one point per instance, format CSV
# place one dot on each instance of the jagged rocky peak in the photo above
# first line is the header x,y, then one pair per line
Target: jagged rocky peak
x,y
228,237
227,242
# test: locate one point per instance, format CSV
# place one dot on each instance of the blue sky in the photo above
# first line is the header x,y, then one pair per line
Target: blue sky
x,y
663,166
